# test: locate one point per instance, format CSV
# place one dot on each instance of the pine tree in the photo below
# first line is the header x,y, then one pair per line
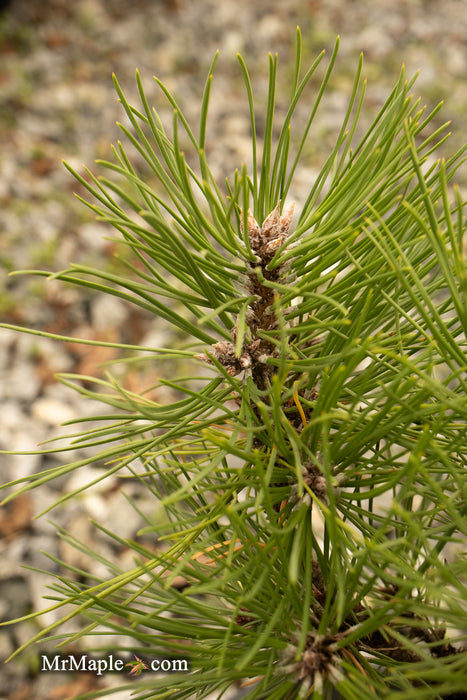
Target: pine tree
x,y
313,475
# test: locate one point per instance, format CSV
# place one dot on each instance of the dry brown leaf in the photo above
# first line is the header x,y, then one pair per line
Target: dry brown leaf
x,y
15,516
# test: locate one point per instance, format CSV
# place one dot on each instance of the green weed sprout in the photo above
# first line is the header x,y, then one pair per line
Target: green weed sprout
x,y
313,475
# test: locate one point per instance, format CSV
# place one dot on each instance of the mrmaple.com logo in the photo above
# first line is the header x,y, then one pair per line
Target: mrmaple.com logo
x,y
111,664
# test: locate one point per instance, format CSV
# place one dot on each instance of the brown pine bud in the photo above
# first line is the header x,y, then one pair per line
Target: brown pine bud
x,y
265,240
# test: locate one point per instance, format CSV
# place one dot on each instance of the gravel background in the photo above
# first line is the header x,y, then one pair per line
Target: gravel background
x,y
57,101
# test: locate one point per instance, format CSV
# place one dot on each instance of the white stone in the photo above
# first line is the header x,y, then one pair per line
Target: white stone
x,y
107,312
21,382
85,475
52,411
92,235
